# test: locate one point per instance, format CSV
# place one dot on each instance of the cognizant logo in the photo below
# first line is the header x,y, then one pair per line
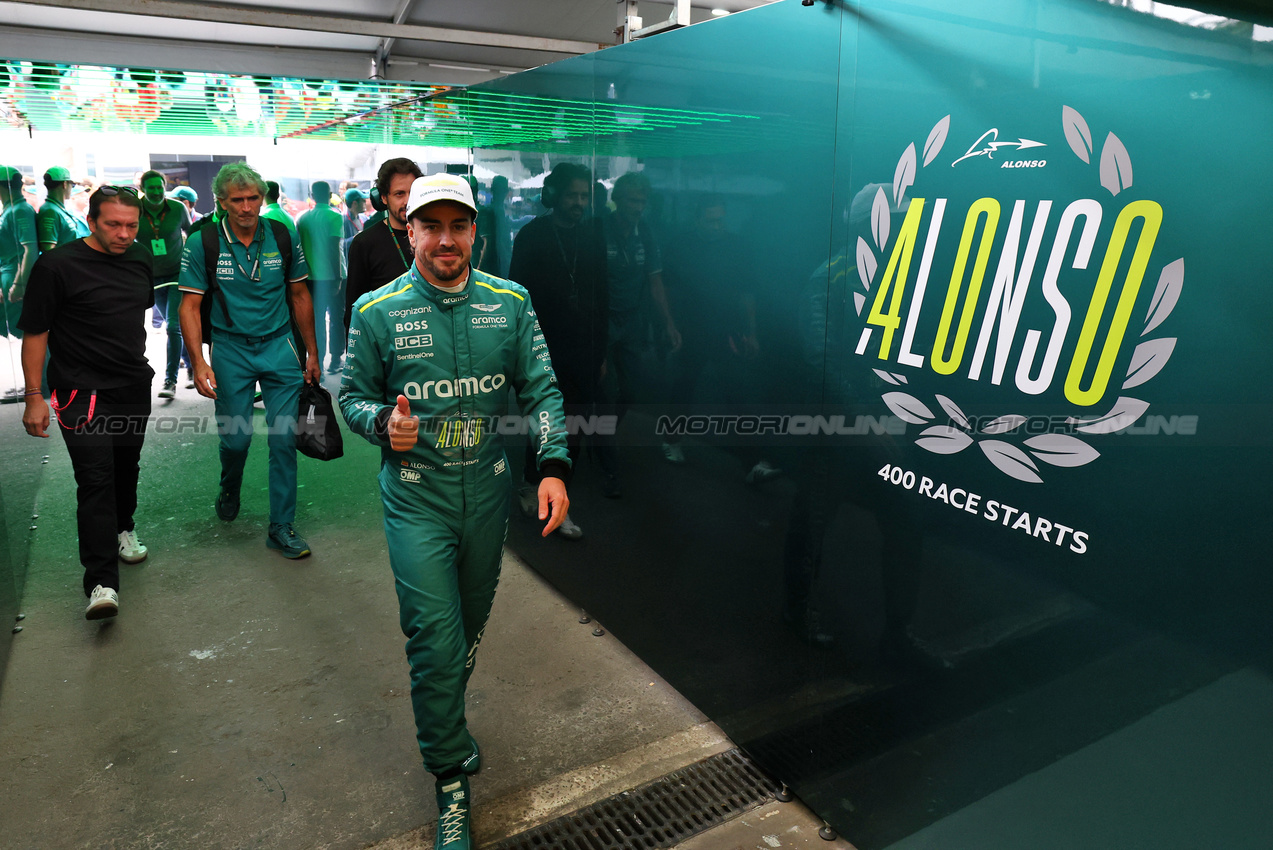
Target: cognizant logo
x,y
451,389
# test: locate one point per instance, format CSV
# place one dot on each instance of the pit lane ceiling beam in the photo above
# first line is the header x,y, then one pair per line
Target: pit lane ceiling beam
x,y
256,16
380,63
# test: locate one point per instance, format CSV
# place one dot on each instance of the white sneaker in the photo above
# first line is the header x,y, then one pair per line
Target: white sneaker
x,y
673,453
131,550
569,530
103,602
761,472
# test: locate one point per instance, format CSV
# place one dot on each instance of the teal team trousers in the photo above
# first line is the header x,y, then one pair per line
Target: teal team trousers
x,y
445,567
239,363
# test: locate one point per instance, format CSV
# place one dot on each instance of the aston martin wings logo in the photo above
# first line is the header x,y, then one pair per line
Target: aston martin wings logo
x,y
981,147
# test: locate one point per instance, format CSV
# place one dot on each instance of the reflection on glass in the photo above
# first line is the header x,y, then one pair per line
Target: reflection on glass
x,y
823,544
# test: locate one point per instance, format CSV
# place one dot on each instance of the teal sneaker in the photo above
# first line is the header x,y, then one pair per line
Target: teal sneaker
x,y
473,763
285,539
454,809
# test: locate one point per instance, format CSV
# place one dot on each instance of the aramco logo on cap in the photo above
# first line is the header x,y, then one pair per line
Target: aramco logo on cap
x,y
440,187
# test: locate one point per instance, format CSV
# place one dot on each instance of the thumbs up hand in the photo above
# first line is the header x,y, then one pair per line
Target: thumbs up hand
x,y
404,428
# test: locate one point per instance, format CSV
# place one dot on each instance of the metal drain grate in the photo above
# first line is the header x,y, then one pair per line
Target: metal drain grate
x,y
661,813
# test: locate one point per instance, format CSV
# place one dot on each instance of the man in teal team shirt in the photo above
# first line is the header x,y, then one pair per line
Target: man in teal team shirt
x,y
274,207
54,223
161,231
251,343
18,246
441,345
322,231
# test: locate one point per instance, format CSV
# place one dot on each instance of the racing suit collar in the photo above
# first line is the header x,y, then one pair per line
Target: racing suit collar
x,y
432,293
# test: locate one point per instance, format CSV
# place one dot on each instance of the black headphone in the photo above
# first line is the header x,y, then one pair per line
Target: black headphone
x,y
377,204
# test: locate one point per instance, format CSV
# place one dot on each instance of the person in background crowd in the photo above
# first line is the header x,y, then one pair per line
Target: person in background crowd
x,y
54,224
321,230
251,342
161,231
86,305
635,272
189,197
484,243
355,206
500,252
445,519
211,218
382,252
560,259
274,207
19,247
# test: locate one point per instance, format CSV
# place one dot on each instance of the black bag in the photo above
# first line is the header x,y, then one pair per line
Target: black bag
x,y
317,431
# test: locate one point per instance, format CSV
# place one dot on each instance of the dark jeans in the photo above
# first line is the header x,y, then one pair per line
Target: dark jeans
x,y
170,295
105,449
329,319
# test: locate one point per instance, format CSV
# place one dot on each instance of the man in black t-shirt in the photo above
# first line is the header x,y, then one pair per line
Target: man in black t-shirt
x,y
381,252
86,303
560,259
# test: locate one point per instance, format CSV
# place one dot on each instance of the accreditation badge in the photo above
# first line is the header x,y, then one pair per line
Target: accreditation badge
x,y
158,247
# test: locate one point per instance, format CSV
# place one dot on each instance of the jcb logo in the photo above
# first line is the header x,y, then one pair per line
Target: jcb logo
x,y
419,341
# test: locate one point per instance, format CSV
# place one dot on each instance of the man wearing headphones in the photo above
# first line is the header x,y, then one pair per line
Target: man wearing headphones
x,y
560,259
381,251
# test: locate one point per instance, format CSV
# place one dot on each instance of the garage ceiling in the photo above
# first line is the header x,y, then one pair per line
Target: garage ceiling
x,y
452,42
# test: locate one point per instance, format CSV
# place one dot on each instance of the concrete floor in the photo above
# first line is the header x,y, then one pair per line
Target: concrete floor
x,y
243,700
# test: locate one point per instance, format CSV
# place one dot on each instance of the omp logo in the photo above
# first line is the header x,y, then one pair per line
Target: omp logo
x,y
397,314
487,308
988,149
500,466
451,389
407,327
1047,302
490,321
403,343
409,475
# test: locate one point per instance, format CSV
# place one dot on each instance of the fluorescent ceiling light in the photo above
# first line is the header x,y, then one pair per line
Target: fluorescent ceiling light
x,y
459,68
720,13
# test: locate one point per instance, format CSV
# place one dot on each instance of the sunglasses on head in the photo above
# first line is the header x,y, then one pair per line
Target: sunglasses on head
x,y
111,191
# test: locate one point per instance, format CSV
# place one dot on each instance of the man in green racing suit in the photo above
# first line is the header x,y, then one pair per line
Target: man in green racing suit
x,y
441,345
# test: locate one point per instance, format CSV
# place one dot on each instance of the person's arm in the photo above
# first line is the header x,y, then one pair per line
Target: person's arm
x,y
659,294
356,280
303,315
301,305
540,401
25,263
363,396
192,281
35,419
46,228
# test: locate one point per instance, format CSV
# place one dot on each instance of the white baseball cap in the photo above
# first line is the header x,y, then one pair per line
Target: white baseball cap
x,y
439,187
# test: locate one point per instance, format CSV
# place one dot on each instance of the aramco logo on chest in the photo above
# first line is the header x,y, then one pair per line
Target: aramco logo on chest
x,y
965,320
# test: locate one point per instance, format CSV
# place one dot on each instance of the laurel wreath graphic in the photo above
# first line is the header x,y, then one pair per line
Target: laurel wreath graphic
x,y
1022,461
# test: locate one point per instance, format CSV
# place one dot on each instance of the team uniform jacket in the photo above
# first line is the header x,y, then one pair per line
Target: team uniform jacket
x,y
454,357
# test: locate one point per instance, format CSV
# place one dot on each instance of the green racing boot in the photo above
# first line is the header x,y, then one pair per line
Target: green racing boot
x,y
454,810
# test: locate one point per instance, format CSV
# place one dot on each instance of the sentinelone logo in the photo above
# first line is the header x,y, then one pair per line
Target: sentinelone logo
x,y
907,326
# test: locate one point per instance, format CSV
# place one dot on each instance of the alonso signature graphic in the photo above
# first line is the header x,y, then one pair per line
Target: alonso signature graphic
x,y
988,150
